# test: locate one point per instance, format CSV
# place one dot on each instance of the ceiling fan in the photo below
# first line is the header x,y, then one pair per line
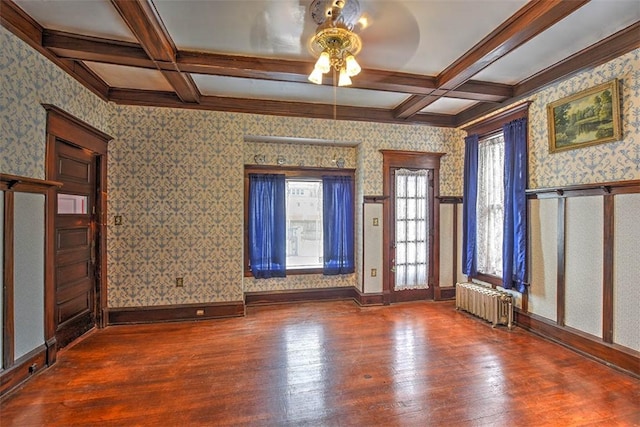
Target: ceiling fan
x,y
335,43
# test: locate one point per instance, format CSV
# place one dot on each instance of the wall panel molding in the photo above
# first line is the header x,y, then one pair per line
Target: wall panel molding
x,y
601,348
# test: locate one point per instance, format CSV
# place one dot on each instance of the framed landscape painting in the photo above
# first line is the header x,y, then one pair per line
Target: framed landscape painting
x,y
586,118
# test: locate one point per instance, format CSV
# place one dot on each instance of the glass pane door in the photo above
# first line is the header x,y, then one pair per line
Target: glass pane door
x,y
411,229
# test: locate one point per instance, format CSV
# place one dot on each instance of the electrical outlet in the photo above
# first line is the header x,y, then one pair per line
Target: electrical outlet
x,y
375,222
117,220
199,312
374,272
179,282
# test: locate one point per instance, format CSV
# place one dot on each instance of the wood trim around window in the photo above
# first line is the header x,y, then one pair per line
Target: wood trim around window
x,y
289,172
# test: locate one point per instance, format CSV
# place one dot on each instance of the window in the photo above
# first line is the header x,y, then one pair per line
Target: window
x,y
304,223
494,235
490,205
298,221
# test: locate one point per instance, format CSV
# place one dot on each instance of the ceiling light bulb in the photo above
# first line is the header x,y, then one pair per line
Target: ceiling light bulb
x,y
344,79
353,68
324,63
316,76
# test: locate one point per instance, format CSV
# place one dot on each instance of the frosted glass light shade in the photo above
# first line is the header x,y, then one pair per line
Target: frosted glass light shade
x,y
353,68
316,76
324,63
344,79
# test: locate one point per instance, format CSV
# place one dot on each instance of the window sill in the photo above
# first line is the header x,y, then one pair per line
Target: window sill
x,y
293,272
493,280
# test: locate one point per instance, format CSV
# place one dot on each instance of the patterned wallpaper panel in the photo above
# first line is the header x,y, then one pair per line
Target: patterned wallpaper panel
x,y
176,177
28,80
614,161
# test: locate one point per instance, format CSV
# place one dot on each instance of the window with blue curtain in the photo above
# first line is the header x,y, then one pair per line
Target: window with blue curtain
x,y
495,250
514,247
267,225
338,225
286,235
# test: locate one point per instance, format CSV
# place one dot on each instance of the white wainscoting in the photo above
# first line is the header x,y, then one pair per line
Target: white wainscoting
x,y
28,272
372,254
584,264
446,245
543,245
626,271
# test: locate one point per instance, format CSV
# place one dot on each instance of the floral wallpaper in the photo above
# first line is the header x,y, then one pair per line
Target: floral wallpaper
x,y
614,161
29,80
176,176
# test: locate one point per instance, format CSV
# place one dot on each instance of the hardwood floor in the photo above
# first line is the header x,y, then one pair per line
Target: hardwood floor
x,y
324,364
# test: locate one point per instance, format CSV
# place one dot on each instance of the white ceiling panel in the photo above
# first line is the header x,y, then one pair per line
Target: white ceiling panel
x,y
425,37
245,27
448,106
589,24
412,36
96,18
129,77
299,92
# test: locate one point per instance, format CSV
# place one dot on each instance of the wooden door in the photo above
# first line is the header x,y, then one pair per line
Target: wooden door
x,y
410,233
76,287
401,225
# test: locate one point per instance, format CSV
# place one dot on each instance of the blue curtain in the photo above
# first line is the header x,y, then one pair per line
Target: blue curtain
x,y
267,226
470,196
514,246
338,225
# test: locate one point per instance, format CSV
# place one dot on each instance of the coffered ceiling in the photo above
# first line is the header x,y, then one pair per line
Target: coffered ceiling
x,y
435,62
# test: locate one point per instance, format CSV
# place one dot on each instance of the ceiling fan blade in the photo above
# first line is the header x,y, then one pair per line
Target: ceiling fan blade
x,y
279,28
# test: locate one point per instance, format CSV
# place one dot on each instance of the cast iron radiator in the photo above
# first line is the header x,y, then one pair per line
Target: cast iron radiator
x,y
485,302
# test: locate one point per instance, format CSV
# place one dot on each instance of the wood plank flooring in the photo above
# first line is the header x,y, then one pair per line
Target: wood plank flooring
x,y
324,364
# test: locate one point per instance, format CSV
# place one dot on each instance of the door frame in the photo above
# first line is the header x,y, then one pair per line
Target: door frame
x,y
414,160
63,126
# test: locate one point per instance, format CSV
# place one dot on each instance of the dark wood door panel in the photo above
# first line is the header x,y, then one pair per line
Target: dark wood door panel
x,y
73,308
71,273
71,290
72,238
74,170
75,165
75,245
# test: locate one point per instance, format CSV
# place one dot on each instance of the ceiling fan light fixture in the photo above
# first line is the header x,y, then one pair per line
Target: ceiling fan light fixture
x,y
344,79
352,66
334,43
316,76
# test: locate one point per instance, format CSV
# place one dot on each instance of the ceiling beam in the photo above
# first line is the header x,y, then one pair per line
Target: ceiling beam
x,y
276,108
87,48
531,20
147,27
620,43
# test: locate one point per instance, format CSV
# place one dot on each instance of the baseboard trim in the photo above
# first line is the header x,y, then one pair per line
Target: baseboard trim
x,y
175,313
367,299
298,295
616,356
312,294
23,369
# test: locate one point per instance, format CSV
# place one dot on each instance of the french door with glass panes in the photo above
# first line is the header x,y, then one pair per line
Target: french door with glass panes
x,y
410,240
410,273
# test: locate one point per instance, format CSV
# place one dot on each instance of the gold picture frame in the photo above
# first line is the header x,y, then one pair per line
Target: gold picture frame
x,y
586,118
